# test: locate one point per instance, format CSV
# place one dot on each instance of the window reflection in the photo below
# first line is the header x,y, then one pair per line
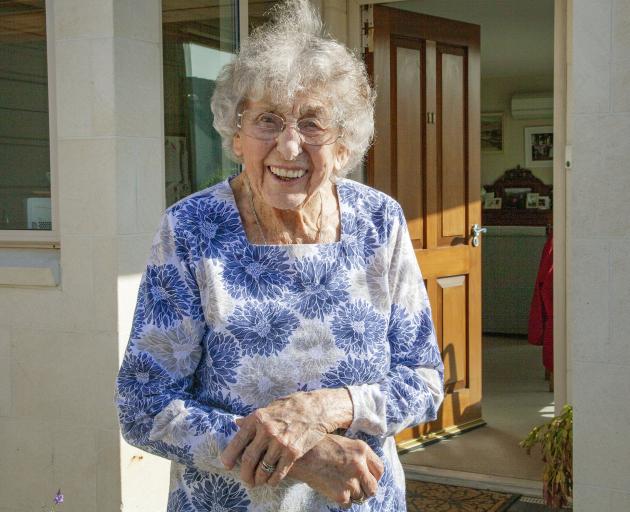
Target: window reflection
x,y
24,138
199,37
257,11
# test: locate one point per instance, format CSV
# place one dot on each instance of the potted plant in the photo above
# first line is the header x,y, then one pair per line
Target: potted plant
x,y
556,442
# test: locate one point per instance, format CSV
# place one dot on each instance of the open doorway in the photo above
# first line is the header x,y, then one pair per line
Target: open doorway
x,y
516,83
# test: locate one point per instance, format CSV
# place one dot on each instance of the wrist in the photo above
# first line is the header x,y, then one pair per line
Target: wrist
x,y
337,408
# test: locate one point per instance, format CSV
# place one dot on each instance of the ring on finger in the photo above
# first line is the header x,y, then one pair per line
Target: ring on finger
x,y
358,501
267,468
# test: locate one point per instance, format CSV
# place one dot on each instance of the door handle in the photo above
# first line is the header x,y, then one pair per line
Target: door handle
x,y
476,234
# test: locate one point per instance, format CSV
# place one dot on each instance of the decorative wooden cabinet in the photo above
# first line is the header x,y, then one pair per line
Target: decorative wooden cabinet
x,y
513,211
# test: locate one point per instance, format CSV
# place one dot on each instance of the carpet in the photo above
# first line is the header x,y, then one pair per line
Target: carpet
x,y
431,497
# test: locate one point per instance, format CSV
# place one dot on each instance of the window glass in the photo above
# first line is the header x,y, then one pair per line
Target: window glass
x,y
24,141
199,37
257,11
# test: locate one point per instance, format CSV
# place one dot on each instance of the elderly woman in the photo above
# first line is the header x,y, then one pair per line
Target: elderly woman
x,y
282,333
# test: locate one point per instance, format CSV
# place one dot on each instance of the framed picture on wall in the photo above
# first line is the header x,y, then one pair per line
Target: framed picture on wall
x,y
492,132
532,200
539,146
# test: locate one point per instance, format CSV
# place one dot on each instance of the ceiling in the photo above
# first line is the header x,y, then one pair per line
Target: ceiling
x,y
516,35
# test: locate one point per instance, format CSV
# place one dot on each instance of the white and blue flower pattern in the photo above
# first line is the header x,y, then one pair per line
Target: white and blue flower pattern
x,y
320,286
205,227
358,327
178,502
218,493
166,297
219,361
259,272
351,372
262,328
141,375
223,327
360,241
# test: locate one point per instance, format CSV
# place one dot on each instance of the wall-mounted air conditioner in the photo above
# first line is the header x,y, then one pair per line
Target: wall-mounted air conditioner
x,y
532,106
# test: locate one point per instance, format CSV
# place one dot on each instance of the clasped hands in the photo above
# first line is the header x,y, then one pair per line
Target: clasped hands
x,y
293,436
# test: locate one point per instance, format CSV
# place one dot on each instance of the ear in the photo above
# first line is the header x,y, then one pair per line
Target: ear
x,y
237,145
341,157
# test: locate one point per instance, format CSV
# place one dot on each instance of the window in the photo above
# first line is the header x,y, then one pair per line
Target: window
x,y
25,173
257,10
199,38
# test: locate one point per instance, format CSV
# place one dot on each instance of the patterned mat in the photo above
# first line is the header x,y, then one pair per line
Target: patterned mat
x,y
430,497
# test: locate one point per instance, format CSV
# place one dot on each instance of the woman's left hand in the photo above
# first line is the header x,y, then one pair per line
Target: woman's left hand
x,y
284,431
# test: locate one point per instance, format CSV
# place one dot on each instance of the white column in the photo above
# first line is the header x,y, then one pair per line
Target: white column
x,y
598,216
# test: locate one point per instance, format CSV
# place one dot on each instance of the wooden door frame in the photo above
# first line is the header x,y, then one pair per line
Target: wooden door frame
x,y
562,141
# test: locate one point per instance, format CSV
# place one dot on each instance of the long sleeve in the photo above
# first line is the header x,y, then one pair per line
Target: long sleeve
x,y
158,409
412,391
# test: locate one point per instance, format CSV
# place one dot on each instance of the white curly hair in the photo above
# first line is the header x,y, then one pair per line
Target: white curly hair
x,y
289,56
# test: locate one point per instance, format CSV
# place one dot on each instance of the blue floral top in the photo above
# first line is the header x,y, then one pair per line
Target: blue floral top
x,y
223,327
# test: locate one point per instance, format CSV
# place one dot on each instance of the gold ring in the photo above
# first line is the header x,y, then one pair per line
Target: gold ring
x,y
267,468
358,501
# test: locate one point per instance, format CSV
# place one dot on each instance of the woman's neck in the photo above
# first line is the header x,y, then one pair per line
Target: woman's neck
x,y
317,221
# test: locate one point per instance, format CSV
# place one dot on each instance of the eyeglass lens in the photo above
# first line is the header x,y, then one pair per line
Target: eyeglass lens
x,y
268,126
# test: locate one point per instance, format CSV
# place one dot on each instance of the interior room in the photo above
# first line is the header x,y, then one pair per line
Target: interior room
x,y
517,180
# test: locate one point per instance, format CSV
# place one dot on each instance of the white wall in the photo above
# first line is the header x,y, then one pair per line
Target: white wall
x,y
60,346
598,249
496,96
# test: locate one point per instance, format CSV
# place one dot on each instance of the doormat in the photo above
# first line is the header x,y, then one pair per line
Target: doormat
x,y
432,497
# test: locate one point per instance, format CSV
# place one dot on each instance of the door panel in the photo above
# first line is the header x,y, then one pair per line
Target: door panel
x,y
454,349
407,175
451,88
426,71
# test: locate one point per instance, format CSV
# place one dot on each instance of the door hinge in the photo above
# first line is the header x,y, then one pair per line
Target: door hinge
x,y
367,29
430,117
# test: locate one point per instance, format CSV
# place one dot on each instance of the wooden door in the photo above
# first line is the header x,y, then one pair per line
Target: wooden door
x,y
426,155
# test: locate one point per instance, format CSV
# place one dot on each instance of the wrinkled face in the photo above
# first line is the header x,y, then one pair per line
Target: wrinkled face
x,y
285,173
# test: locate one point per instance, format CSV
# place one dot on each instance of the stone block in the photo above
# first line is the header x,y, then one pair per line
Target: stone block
x,y
591,56
138,79
83,19
87,181
84,88
601,452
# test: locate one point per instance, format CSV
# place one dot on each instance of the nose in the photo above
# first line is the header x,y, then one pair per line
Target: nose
x,y
289,142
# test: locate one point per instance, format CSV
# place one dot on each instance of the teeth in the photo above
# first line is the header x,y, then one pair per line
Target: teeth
x,y
287,173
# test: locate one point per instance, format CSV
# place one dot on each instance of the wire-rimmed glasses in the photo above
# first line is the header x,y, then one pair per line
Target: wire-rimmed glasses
x,y
267,126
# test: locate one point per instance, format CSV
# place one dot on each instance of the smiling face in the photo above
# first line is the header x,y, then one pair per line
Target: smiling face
x,y
286,173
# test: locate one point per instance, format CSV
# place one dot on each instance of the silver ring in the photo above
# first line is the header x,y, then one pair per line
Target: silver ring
x,y
267,468
358,501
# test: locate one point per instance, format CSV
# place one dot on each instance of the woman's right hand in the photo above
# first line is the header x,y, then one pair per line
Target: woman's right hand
x,y
341,469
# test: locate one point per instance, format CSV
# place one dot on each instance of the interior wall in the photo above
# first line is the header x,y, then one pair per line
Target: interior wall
x,y
496,95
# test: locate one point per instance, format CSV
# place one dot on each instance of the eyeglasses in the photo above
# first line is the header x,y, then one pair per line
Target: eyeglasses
x,y
267,126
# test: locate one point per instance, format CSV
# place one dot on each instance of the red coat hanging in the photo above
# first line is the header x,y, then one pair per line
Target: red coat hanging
x,y
540,331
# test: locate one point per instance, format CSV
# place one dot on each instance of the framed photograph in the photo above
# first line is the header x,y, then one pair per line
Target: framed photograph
x,y
544,203
488,199
492,132
494,204
532,200
539,146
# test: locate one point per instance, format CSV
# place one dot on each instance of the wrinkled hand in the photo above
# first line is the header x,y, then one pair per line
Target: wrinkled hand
x,y
284,431
340,469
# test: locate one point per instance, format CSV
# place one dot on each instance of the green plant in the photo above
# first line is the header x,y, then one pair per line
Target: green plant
x,y
556,442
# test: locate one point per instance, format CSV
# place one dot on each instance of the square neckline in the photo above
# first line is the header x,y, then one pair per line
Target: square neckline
x,y
243,234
